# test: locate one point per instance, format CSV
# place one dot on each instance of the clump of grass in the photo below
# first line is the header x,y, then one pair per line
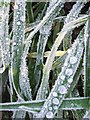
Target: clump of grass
x,y
44,64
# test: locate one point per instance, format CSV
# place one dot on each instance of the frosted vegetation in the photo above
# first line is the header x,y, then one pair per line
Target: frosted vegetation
x,y
44,70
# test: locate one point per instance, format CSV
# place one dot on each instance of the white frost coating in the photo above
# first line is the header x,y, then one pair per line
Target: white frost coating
x,y
18,36
2,42
27,109
5,34
24,80
87,115
74,11
19,25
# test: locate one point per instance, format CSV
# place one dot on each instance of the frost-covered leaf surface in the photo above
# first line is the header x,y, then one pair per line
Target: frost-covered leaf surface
x,y
35,106
17,40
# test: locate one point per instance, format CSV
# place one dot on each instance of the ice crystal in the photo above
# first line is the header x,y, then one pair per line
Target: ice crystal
x,y
49,114
73,60
62,89
69,72
55,101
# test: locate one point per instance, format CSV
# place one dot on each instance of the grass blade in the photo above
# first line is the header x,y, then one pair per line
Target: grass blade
x,y
35,106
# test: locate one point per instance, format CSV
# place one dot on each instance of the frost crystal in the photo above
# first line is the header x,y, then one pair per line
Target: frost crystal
x,y
69,51
65,64
18,23
22,18
70,80
49,114
73,60
54,94
62,77
50,108
69,72
15,7
55,107
55,101
62,89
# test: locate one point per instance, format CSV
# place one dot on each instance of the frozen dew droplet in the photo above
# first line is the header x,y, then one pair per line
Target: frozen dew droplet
x,y
50,108
45,106
14,43
15,7
62,77
62,89
70,80
22,18
7,38
55,107
18,23
69,51
68,85
69,72
65,64
55,94
24,81
72,105
46,91
58,82
61,82
49,114
73,60
55,101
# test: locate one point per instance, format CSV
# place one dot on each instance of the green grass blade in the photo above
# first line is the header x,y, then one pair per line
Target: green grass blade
x,y
30,12
33,105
